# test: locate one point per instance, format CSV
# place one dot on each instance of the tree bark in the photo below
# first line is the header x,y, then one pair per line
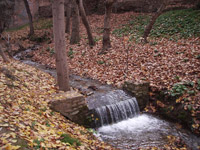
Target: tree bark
x,y
75,33
153,20
5,59
68,9
29,17
60,44
107,17
85,22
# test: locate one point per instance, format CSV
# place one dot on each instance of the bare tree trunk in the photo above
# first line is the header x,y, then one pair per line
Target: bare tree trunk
x,y
85,22
68,9
5,59
75,34
29,17
153,20
107,17
60,44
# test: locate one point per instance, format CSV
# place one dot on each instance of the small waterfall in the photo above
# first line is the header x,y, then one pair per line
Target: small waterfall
x,y
116,112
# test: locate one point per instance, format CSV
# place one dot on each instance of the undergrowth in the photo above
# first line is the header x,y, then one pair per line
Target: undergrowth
x,y
174,25
43,24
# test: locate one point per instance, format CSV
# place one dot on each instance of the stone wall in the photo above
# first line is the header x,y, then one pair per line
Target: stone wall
x,y
20,15
138,90
73,106
45,9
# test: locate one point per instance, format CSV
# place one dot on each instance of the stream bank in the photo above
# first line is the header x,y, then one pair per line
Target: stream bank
x,y
175,109
86,86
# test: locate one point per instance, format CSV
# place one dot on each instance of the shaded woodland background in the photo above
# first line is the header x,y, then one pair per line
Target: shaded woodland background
x,y
42,8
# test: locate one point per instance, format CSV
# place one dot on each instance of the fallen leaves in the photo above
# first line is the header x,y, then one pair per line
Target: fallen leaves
x,y
24,112
162,62
160,104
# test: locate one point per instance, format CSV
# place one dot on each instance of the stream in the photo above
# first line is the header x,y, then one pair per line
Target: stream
x,y
143,130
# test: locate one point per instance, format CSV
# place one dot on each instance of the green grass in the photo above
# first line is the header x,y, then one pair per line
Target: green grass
x,y
65,138
173,25
17,28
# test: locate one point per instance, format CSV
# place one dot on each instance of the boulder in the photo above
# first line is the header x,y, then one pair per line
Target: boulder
x,y
138,90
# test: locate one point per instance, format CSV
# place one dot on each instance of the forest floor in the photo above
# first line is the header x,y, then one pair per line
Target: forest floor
x,y
170,61
27,122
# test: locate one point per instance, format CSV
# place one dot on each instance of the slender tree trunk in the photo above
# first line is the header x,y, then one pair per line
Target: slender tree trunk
x,y
85,22
75,34
68,9
153,20
5,59
107,17
60,44
29,17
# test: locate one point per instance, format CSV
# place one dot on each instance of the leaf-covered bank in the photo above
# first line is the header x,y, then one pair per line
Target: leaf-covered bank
x,y
26,120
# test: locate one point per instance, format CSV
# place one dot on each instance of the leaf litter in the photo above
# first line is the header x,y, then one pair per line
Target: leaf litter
x,y
162,62
25,113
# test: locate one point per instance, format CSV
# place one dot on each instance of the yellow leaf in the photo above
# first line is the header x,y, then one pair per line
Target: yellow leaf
x,y
178,100
42,144
4,125
159,103
13,141
11,147
13,135
59,132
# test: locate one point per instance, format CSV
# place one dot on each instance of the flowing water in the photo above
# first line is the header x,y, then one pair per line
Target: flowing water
x,y
119,120
121,125
116,112
143,131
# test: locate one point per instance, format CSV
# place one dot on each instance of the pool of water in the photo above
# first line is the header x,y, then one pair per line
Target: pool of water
x,y
143,131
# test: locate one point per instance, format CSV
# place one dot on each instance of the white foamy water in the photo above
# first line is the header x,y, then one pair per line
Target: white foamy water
x,y
142,131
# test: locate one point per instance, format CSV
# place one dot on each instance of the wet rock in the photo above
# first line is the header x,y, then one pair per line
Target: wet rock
x,y
85,91
138,90
94,88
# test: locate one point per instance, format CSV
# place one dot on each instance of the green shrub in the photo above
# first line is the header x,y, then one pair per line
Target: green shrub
x,y
178,90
